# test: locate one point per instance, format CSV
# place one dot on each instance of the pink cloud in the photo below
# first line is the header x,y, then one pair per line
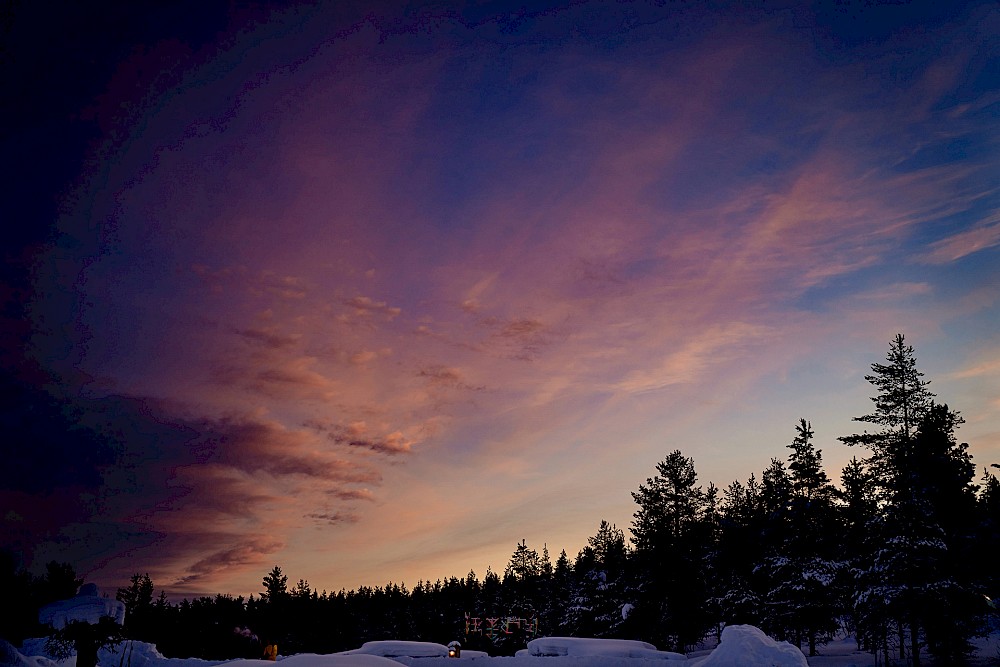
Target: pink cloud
x,y
981,237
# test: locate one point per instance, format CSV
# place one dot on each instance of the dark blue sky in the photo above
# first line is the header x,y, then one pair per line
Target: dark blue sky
x,y
377,292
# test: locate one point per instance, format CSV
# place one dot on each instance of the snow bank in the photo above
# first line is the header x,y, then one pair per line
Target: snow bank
x,y
141,654
747,646
400,649
87,606
11,657
129,652
315,660
741,646
604,648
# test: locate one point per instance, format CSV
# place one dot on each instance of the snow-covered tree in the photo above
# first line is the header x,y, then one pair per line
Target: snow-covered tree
x,y
910,570
738,552
987,543
802,563
601,586
671,533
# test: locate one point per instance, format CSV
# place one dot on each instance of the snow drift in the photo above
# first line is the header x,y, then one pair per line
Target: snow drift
x,y
610,648
741,646
747,646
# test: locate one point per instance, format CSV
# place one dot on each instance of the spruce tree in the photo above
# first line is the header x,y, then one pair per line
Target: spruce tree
x,y
138,599
738,553
558,619
858,512
901,402
602,586
910,571
807,563
669,531
987,542
805,464
524,591
274,622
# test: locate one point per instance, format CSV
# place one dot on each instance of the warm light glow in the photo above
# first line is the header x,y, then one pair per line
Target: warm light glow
x,y
375,297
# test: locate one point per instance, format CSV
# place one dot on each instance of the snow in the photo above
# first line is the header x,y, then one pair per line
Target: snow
x,y
609,648
747,646
314,660
740,646
11,657
397,649
87,606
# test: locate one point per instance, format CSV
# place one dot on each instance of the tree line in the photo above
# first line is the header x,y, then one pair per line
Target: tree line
x,y
901,555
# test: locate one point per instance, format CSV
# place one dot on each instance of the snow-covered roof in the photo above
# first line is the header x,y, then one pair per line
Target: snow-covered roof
x,y
401,649
588,647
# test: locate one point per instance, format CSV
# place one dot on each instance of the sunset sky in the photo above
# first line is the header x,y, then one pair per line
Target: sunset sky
x,y
373,294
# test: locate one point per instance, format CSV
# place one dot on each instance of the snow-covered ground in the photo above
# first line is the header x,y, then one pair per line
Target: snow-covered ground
x,y
741,646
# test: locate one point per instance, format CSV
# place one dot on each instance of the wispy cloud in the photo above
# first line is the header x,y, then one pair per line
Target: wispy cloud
x,y
717,346
358,434
310,298
981,237
365,307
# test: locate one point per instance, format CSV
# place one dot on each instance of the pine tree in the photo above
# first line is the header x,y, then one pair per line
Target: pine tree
x,y
857,514
909,572
601,584
138,599
739,552
802,567
987,542
805,464
524,564
525,592
901,402
936,496
557,618
669,530
274,623
275,586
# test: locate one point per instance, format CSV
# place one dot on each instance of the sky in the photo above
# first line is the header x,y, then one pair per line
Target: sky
x,y
375,291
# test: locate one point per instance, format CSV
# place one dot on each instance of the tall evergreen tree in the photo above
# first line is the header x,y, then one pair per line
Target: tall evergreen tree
x,y
139,612
857,512
739,551
924,481
273,627
987,542
525,591
901,401
558,618
668,532
935,495
275,586
802,567
601,584
805,464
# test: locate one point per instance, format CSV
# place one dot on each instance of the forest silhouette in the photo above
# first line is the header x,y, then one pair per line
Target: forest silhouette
x,y
899,555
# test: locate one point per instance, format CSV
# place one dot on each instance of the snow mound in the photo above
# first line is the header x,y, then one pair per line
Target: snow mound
x,y
604,648
316,660
142,654
747,646
87,606
400,649
11,657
